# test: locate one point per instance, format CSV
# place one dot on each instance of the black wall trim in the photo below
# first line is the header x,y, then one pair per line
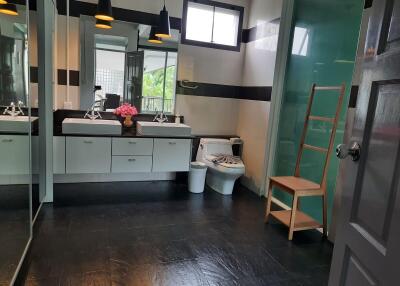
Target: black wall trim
x,y
61,76
261,93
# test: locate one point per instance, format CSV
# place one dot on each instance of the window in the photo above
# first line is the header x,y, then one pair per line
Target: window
x,y
212,24
110,69
159,78
110,65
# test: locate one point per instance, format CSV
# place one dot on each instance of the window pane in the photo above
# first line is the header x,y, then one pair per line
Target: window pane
x,y
153,80
226,23
199,22
110,68
170,82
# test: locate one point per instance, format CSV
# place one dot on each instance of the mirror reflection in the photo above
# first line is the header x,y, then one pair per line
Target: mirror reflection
x,y
15,128
126,63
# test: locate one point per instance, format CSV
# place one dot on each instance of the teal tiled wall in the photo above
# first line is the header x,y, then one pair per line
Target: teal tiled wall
x,y
324,43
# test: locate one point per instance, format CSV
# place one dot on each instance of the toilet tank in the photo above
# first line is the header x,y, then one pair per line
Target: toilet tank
x,y
209,146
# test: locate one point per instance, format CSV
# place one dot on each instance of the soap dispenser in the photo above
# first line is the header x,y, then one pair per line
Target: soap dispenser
x,y
177,119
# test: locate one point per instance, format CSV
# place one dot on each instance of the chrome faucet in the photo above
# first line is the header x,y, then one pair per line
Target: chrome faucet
x,y
14,110
160,117
92,114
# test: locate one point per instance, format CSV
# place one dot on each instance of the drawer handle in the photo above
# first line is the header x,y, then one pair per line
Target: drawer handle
x,y
172,143
88,142
7,140
132,142
131,160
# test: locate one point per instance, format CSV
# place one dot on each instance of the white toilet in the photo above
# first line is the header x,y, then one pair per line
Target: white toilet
x,y
221,176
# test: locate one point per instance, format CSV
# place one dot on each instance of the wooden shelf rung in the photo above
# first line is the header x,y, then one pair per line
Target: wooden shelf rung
x,y
302,220
320,118
315,148
328,88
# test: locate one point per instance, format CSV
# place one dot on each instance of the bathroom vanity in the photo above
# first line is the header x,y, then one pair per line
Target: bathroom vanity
x,y
127,156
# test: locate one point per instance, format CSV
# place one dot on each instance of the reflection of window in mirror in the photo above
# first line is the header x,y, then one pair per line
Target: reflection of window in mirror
x,y
300,41
110,66
159,79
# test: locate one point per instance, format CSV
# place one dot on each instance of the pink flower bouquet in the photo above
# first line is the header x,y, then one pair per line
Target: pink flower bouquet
x,y
126,110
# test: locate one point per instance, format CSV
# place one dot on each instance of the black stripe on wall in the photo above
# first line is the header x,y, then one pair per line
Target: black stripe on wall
x,y
61,76
261,93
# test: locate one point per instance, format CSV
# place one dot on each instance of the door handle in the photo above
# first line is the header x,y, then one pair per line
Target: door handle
x,y
342,151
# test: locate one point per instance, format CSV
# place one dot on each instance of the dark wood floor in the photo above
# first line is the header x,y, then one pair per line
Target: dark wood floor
x,y
159,234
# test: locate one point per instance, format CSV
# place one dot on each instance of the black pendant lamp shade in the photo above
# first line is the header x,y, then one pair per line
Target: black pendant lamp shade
x,y
9,9
103,24
153,38
164,28
104,10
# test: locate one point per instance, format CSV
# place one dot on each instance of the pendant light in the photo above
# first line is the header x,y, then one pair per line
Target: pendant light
x,y
103,24
164,28
104,10
3,2
153,38
9,9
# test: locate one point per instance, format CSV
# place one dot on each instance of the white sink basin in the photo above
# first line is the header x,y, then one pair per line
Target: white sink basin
x,y
162,129
17,124
91,127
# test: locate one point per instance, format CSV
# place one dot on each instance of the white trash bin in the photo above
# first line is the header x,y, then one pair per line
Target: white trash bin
x,y
197,177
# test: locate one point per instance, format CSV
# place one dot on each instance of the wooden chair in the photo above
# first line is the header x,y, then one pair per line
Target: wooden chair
x,y
299,187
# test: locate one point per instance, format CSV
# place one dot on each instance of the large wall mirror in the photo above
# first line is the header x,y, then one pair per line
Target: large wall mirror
x,y
16,125
127,66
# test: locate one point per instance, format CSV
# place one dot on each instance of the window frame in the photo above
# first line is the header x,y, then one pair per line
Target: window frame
x,y
165,50
186,41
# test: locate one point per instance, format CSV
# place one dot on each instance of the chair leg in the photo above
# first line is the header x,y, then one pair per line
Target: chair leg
x,y
293,216
324,214
269,200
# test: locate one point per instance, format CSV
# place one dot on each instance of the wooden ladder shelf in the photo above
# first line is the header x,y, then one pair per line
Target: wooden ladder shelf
x,y
299,187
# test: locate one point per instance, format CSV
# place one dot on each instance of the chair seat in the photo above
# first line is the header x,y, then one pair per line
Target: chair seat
x,y
295,183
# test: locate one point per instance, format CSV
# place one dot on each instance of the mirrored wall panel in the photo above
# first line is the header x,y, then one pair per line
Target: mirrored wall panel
x,y
120,62
16,126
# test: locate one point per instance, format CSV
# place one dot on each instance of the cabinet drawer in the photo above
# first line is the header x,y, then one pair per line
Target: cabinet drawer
x,y
131,164
132,146
14,155
88,155
171,155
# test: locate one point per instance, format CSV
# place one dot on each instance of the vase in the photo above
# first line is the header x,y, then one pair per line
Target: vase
x,y
128,121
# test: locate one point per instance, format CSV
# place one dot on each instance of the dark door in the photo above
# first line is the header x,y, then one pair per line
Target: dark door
x,y
134,78
367,246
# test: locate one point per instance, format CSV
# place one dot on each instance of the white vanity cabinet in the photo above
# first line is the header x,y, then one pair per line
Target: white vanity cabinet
x,y
171,155
87,155
132,155
132,146
14,155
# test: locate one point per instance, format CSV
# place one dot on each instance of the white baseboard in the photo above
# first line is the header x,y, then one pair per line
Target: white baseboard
x,y
248,183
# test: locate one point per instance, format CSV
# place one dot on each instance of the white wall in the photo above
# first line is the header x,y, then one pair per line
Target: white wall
x,y
258,70
209,115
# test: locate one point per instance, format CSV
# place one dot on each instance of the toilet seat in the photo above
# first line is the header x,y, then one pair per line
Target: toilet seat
x,y
238,165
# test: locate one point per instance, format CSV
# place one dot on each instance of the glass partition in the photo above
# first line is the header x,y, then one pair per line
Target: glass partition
x,y
324,43
16,126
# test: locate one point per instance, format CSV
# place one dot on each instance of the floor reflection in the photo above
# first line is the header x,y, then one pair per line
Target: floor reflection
x,y
14,228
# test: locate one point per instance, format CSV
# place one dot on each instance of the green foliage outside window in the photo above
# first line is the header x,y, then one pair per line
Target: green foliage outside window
x,y
153,83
